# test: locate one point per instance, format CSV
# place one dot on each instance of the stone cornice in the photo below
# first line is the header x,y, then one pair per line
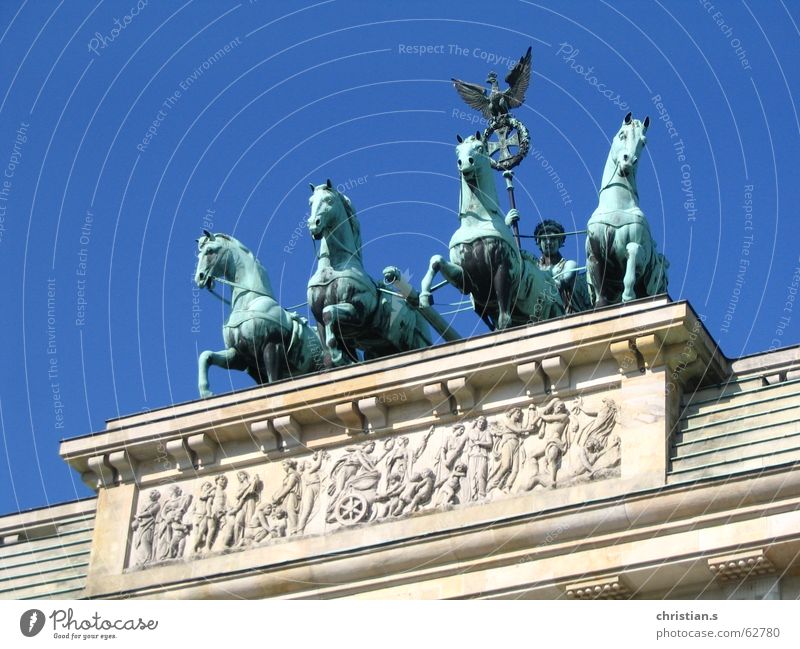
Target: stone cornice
x,y
650,333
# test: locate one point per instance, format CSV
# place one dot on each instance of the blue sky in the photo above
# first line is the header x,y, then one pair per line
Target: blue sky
x,y
126,128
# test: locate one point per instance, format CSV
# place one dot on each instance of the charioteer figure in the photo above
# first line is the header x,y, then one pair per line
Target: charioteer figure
x,y
550,237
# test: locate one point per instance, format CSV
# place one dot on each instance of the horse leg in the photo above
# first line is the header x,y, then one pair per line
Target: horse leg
x,y
228,359
324,353
425,295
332,317
273,355
502,289
591,270
634,251
594,271
453,273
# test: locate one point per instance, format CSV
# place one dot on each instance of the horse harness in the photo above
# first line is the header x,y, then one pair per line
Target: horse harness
x,y
633,192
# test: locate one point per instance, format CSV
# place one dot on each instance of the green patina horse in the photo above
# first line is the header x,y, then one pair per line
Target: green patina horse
x,y
353,311
622,262
261,337
505,284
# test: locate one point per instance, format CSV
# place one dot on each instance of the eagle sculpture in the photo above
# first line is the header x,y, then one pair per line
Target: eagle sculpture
x,y
496,102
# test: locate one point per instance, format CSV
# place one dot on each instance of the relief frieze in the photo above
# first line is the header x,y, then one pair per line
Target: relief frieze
x,y
479,459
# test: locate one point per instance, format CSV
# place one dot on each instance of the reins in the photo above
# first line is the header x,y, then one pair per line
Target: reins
x,y
633,192
228,282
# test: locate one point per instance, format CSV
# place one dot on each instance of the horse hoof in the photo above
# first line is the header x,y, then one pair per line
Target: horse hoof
x,y
425,300
205,394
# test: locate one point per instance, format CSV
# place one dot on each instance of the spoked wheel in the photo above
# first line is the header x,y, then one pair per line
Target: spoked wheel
x,y
352,508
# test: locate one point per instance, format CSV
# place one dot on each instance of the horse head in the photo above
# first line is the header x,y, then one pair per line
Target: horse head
x,y
327,209
213,259
471,157
628,144
332,213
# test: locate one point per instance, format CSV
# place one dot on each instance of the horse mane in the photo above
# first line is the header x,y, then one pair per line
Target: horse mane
x,y
236,242
246,251
352,220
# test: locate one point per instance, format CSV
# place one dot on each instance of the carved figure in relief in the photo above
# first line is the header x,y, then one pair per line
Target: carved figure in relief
x,y
448,493
401,459
180,532
170,529
591,447
267,522
248,494
388,498
257,528
218,509
356,463
201,516
605,458
310,485
551,443
417,492
515,424
163,532
277,523
144,523
596,432
289,495
479,444
449,454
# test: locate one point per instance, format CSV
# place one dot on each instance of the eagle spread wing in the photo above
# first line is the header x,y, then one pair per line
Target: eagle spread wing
x,y
474,95
518,80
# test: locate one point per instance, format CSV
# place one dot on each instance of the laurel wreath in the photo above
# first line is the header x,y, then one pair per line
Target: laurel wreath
x,y
524,141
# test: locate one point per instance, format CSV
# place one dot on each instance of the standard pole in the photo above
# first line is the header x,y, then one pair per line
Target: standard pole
x,y
429,313
509,176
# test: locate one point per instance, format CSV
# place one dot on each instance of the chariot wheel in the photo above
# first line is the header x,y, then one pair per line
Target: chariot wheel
x,y
510,144
352,508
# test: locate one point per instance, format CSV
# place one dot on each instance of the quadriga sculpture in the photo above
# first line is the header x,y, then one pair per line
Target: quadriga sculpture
x,y
261,337
622,262
352,310
505,284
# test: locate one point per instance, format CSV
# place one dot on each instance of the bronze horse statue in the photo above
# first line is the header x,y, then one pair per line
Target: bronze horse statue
x,y
622,262
353,312
261,337
505,284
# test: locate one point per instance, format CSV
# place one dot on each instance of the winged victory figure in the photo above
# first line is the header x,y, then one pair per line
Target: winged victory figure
x,y
496,102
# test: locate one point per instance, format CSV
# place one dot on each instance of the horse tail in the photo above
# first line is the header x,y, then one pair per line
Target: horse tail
x,y
610,232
